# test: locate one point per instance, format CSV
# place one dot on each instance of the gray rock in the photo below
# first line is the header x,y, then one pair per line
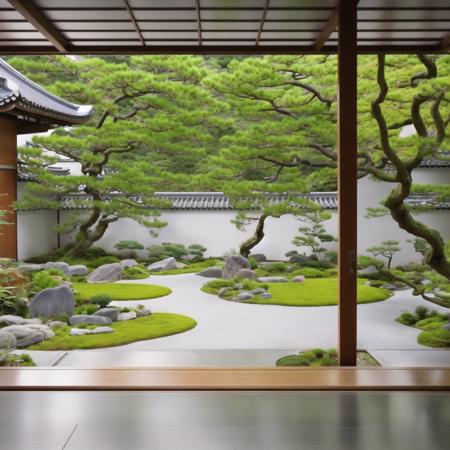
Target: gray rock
x,y
445,327
36,320
24,335
211,272
7,340
102,330
41,328
126,316
245,295
79,331
369,270
78,269
56,323
30,267
391,287
273,279
258,291
247,274
266,295
238,286
181,265
128,263
106,273
144,312
259,257
298,279
112,313
62,266
89,320
11,320
233,264
222,292
53,301
165,264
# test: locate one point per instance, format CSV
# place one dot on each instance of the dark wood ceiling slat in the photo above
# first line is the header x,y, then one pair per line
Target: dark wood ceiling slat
x,y
133,20
199,21
261,25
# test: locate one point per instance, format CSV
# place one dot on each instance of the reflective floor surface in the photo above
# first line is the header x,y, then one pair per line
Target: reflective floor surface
x,y
224,420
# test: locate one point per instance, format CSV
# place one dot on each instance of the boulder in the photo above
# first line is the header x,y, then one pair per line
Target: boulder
x,y
211,272
11,320
24,335
102,330
112,313
42,328
62,266
126,316
233,264
53,301
247,274
36,320
369,270
78,269
143,312
298,279
222,292
106,273
7,340
30,267
165,264
258,291
56,323
238,286
266,295
245,295
391,287
273,279
259,257
128,263
89,320
79,331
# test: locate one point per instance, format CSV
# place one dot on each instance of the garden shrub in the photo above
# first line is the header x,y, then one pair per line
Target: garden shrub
x,y
101,300
86,309
12,302
42,280
101,260
315,357
364,261
331,256
175,250
136,273
422,317
407,318
276,267
130,246
421,312
309,272
253,263
439,338
330,272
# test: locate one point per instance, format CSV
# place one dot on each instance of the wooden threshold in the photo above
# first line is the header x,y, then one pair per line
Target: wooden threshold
x,y
223,379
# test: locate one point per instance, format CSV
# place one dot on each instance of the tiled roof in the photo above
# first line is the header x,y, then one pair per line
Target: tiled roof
x,y
437,162
19,95
23,175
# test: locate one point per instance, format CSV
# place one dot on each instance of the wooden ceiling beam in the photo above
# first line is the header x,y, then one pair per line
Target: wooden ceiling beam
x,y
133,20
199,22
36,18
261,24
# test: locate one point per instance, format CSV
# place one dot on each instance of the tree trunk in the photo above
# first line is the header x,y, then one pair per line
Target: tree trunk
x,y
257,237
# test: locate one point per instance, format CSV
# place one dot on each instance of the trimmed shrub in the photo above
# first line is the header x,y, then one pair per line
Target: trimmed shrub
x,y
136,273
100,261
407,318
86,309
309,272
102,300
421,312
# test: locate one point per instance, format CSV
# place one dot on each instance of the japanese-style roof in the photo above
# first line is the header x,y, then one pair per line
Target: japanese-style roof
x,y
24,98
24,175
217,26
443,161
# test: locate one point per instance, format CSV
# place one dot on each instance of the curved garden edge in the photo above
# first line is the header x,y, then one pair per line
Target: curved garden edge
x,y
151,327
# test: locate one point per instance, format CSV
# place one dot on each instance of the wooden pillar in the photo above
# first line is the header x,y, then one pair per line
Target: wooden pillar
x,y
8,187
347,180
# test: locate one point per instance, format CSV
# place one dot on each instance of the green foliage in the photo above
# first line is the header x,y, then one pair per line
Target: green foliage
x,y
129,245
438,338
315,357
276,267
87,309
310,272
102,300
138,272
407,318
366,261
11,302
42,280
151,327
421,317
192,267
178,251
387,249
13,360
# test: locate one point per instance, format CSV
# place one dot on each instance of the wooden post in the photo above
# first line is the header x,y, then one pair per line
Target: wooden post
x,y
8,187
347,180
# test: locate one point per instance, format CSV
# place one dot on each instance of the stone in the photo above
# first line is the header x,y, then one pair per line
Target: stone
x,y
238,286
445,327
259,257
128,263
24,335
42,328
56,323
79,331
126,316
143,312
34,321
78,270
181,265
102,330
258,291
222,292
165,264
369,270
391,287
273,279
211,272
62,266
112,313
245,295
266,295
30,267
89,320
247,274
53,301
298,279
233,264
106,273
7,340
11,320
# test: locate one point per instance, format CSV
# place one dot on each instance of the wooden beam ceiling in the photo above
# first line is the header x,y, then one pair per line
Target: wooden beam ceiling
x,y
261,25
135,24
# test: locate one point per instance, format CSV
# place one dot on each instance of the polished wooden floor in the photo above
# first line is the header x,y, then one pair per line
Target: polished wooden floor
x,y
289,420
